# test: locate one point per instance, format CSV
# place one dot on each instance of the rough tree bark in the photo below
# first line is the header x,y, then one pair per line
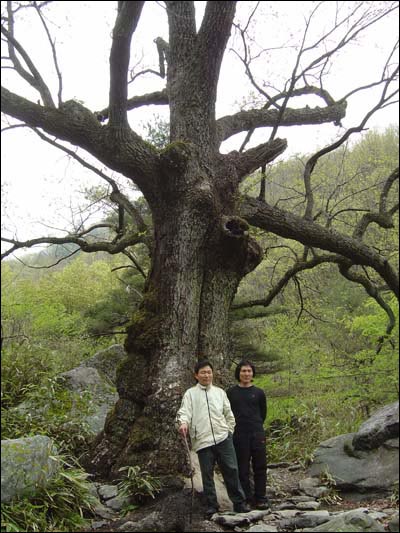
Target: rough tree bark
x,y
202,250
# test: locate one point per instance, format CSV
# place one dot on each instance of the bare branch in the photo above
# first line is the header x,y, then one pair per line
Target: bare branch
x,y
135,262
74,123
155,98
386,189
125,25
310,165
53,50
116,196
246,140
371,289
253,158
261,118
84,245
344,268
48,266
33,77
285,224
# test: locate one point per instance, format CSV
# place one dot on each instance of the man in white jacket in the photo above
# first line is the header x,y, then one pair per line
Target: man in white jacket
x,y
206,414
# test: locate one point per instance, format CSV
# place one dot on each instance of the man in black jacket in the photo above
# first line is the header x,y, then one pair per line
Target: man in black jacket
x,y
249,405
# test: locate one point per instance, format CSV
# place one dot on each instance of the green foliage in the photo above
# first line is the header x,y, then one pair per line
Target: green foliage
x,y
50,409
116,306
138,483
331,368
332,497
51,307
394,497
63,505
331,377
157,132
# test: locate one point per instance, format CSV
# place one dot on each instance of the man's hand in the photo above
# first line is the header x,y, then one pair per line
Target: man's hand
x,y
183,429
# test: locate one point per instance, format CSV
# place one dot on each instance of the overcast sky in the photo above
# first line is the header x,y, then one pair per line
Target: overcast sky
x,y
40,184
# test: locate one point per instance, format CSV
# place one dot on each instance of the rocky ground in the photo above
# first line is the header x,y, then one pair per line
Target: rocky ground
x,y
177,512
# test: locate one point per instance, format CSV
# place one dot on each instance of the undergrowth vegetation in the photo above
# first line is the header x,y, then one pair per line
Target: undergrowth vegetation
x,y
65,504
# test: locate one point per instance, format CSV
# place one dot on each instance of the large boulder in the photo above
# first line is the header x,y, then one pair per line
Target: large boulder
x,y
106,361
104,396
375,471
382,426
27,464
372,468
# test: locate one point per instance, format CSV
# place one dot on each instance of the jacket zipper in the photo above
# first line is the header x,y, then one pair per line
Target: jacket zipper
x,y
209,416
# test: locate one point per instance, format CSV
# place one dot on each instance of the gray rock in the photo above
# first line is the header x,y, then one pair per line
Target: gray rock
x,y
301,498
305,520
308,506
230,519
106,492
394,523
97,524
349,522
380,427
106,361
128,526
81,379
117,503
286,513
374,471
104,512
261,528
149,523
286,505
313,487
104,396
27,464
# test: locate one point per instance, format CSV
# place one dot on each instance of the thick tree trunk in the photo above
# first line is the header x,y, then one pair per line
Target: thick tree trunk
x,y
200,256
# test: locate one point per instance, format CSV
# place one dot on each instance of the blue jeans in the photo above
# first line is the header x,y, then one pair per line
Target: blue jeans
x,y
224,455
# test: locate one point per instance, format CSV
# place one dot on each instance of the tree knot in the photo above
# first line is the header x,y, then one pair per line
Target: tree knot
x,y
235,227
176,155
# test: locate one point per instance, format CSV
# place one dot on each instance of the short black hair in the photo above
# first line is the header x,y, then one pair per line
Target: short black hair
x,y
244,362
202,364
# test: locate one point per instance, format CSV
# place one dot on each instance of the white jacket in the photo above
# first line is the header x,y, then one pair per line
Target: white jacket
x,y
208,414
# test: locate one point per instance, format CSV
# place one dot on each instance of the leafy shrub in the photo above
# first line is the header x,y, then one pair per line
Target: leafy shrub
x,y
300,427
50,409
138,483
63,505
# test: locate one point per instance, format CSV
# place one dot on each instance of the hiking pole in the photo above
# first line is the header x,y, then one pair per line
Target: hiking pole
x,y
191,477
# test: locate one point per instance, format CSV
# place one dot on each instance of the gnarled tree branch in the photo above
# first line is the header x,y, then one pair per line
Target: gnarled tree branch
x,y
261,118
285,224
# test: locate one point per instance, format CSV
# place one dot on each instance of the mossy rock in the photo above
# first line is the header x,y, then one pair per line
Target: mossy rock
x,y
27,464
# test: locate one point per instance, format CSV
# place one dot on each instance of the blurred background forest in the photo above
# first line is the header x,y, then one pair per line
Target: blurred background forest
x,y
321,347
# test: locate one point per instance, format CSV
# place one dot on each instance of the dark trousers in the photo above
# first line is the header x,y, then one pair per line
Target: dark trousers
x,y
250,445
224,455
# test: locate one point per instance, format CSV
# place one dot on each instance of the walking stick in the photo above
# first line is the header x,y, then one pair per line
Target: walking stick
x,y
191,477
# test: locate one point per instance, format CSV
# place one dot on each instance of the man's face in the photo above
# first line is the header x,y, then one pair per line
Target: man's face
x,y
204,376
246,374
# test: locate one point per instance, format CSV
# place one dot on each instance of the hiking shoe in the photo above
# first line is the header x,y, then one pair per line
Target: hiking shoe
x,y
210,511
262,505
241,508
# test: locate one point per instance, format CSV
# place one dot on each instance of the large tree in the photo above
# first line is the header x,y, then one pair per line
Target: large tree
x,y
200,244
